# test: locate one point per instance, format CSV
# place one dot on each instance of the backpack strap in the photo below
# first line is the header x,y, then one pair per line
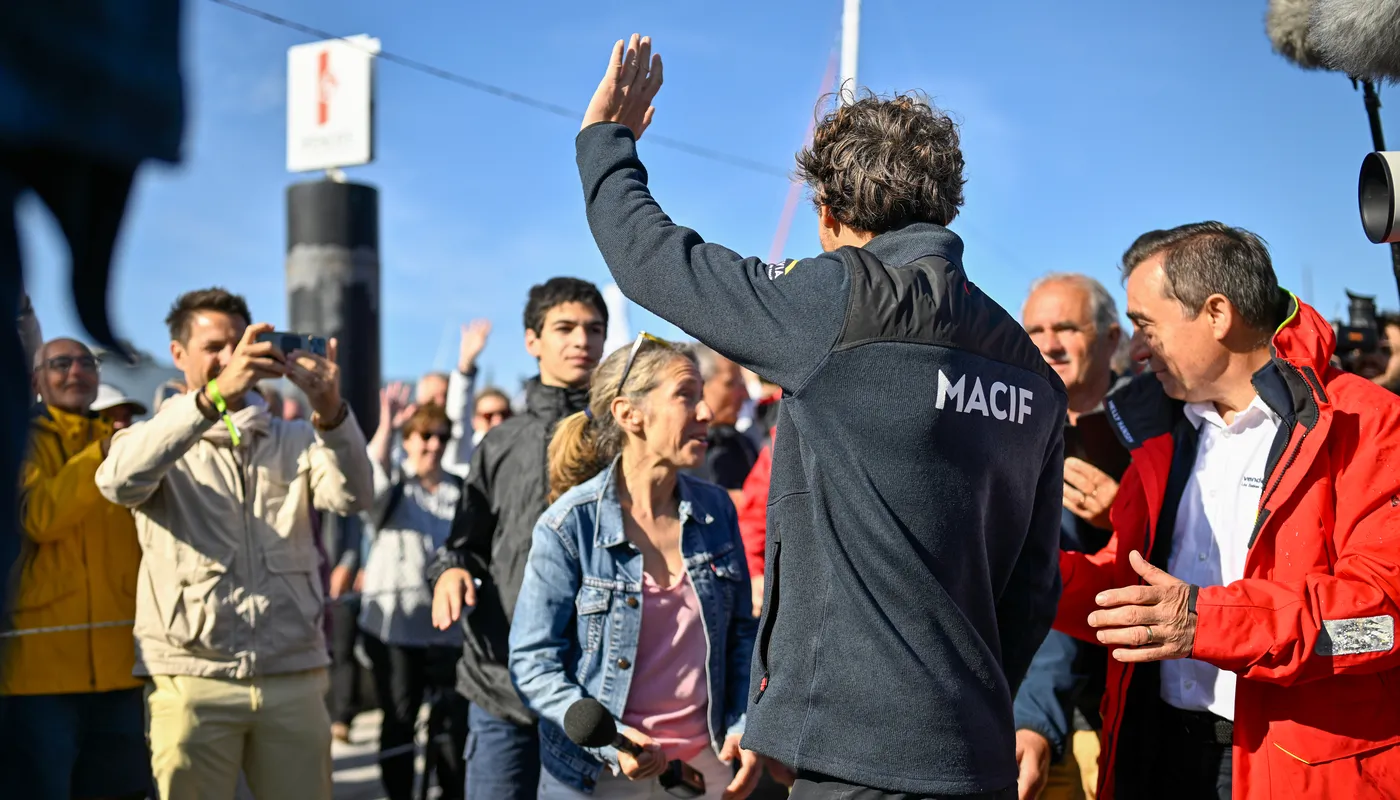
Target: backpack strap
x,y
396,495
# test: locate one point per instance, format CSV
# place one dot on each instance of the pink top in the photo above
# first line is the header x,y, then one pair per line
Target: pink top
x,y
669,697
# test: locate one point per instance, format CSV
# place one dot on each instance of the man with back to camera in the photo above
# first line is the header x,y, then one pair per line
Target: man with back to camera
x,y
914,509
505,494
1250,593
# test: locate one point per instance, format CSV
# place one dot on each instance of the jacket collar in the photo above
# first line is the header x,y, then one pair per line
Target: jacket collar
x,y
607,522
909,243
56,419
1288,384
553,403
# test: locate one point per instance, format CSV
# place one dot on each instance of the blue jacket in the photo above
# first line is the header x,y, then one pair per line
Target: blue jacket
x,y
914,512
579,615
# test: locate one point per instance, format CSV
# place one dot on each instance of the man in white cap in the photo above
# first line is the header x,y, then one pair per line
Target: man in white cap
x,y
118,409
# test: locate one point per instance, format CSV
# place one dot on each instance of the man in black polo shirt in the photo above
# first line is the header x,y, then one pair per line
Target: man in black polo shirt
x,y
914,511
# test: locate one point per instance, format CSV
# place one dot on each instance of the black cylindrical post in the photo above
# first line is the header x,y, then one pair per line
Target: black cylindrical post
x,y
333,281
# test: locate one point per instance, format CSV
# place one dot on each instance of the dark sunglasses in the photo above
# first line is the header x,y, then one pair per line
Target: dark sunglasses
x,y
441,436
65,363
632,357
500,416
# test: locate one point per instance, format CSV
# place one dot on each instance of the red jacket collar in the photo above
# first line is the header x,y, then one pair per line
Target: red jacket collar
x,y
1304,339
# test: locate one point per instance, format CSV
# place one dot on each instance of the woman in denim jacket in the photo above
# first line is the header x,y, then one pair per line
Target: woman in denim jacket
x,y
636,591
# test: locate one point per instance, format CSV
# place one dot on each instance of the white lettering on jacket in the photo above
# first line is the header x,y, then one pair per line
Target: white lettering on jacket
x,y
1015,408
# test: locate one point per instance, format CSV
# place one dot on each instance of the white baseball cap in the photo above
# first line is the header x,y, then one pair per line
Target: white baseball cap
x,y
109,396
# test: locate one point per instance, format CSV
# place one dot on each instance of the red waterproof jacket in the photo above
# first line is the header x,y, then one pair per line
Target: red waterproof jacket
x,y
753,511
1310,630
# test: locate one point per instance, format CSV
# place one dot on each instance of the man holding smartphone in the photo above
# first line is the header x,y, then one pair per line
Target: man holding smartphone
x,y
229,602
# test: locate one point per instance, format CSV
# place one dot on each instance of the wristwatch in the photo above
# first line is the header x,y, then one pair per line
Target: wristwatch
x,y
335,422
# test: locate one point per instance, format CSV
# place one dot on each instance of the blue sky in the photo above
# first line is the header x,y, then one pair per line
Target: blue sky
x,y
1083,125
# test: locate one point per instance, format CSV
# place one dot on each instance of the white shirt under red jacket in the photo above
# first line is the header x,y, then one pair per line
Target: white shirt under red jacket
x,y
1211,536
1308,629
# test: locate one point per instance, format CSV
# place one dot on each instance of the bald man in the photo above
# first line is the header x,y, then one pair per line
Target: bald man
x,y
74,716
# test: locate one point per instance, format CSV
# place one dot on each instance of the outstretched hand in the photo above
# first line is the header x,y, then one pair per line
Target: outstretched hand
x,y
1147,623
624,95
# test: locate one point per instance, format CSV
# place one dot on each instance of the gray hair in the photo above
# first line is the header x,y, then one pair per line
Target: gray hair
x,y
708,360
41,355
1101,304
1206,258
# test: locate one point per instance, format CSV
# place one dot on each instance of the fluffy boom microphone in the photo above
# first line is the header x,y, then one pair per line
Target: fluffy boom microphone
x,y
1358,37
1288,24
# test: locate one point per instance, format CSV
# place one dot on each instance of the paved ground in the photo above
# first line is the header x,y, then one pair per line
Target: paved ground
x,y
356,766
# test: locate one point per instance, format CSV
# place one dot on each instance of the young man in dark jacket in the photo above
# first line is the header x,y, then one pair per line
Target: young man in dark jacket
x,y
477,574
914,511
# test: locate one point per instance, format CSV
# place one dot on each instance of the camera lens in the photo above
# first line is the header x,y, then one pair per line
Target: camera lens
x,y
1376,195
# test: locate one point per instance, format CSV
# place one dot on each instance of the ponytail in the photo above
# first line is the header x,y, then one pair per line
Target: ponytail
x,y
573,454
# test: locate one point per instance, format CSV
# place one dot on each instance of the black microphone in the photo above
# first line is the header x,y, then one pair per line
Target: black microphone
x,y
588,724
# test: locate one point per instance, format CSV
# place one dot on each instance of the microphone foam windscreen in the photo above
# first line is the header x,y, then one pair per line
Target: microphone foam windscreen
x,y
1287,23
588,724
1359,37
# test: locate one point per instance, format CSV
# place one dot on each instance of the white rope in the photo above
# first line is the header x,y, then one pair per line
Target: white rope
x,y
123,623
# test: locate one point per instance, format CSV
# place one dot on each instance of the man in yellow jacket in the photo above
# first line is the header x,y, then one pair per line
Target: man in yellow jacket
x,y
71,714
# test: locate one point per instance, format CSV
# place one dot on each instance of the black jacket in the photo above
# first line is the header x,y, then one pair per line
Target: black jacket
x,y
507,491
914,512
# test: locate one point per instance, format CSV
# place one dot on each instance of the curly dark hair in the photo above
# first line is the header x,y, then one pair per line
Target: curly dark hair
x,y
880,163
215,298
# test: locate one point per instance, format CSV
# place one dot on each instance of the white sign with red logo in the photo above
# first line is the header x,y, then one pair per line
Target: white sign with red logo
x,y
330,103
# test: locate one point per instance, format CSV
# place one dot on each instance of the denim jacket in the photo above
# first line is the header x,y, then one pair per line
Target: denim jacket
x,y
579,616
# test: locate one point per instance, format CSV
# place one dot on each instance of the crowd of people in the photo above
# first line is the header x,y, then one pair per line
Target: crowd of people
x,y
817,553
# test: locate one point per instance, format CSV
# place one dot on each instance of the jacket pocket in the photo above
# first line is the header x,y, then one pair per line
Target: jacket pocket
x,y
729,581
47,575
188,605
294,599
1331,724
592,605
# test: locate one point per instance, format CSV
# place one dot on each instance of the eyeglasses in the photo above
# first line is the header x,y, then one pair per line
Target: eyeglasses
x,y
65,363
500,415
441,436
642,337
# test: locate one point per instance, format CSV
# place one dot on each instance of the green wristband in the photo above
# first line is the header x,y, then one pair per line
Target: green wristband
x,y
211,389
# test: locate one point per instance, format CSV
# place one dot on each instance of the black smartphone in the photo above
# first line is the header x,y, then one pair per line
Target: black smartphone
x,y
287,342
682,780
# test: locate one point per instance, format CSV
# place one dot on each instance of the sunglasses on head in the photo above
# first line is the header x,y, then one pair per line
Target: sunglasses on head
x,y
65,363
632,357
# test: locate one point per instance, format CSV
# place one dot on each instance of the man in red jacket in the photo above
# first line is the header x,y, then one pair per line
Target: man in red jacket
x,y
1250,592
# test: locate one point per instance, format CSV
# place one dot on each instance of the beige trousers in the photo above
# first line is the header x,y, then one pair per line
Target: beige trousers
x,y
274,729
1077,776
